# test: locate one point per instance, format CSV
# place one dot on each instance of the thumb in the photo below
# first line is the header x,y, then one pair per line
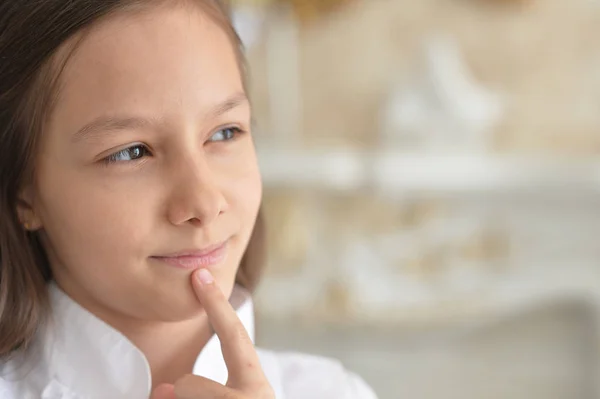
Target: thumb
x,y
163,391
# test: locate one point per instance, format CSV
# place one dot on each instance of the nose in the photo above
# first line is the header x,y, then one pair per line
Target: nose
x,y
196,197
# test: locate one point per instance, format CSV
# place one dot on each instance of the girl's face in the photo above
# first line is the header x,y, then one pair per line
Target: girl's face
x,y
147,156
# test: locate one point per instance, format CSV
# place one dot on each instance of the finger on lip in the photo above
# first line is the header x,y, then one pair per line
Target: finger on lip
x,y
237,347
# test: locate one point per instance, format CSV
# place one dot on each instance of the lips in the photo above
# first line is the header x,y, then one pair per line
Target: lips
x,y
195,258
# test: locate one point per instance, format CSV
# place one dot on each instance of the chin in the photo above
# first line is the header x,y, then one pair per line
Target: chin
x,y
181,306
181,303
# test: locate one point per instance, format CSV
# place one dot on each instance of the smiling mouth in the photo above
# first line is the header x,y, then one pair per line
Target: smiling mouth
x,y
194,258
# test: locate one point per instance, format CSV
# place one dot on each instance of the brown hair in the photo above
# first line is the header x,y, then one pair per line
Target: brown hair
x,y
31,33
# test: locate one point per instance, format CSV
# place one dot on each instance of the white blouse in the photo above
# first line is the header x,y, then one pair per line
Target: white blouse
x,y
78,356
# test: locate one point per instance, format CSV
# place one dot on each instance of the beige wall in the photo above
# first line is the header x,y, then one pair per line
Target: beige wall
x,y
543,58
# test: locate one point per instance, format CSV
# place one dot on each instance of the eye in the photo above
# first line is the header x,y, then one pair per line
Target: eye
x,y
226,134
129,154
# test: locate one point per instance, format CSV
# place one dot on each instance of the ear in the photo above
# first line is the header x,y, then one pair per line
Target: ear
x,y
26,211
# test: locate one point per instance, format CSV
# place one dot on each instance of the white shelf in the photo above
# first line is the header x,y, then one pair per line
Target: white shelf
x,y
396,172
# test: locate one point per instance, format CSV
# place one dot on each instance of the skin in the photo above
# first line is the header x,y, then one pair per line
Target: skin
x,y
246,378
183,176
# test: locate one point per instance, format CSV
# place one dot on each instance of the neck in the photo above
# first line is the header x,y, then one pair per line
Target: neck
x,y
169,358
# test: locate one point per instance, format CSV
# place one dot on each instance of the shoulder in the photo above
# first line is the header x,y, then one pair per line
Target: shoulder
x,y
300,376
13,383
25,376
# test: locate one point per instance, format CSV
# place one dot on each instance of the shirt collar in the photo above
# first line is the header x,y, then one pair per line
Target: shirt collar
x,y
88,356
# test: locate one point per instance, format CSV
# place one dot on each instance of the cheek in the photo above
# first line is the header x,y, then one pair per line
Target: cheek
x,y
84,220
245,193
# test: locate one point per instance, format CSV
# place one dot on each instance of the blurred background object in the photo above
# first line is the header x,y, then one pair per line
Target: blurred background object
x,y
432,190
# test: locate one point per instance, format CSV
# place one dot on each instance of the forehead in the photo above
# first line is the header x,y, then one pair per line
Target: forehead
x,y
163,59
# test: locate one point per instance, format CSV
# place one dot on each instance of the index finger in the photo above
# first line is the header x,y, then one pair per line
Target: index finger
x,y
237,347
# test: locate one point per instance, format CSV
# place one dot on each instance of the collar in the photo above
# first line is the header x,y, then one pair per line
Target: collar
x,y
86,356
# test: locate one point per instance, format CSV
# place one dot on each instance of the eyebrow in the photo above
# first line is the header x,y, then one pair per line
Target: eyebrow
x,y
117,123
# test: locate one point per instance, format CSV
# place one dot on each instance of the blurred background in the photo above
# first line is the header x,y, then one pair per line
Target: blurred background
x,y
432,190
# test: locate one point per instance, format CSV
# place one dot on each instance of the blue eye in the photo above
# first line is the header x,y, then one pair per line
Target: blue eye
x,y
226,134
128,154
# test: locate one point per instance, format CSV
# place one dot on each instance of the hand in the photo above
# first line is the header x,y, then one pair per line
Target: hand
x,y
246,377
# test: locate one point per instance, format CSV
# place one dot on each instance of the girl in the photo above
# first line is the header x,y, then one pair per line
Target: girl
x,y
129,191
